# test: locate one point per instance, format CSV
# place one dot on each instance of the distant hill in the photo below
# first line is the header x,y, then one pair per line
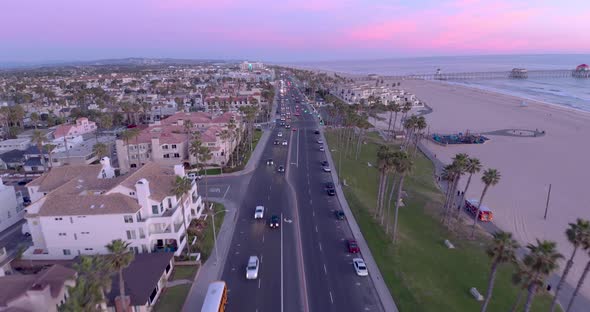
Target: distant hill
x,y
130,61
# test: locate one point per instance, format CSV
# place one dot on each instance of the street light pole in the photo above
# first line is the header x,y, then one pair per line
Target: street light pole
x,y
215,235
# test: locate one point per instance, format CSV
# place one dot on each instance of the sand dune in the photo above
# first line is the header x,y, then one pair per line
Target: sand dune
x,y
528,165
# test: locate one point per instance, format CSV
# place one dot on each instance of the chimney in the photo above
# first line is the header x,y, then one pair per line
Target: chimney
x,y
179,170
107,171
142,191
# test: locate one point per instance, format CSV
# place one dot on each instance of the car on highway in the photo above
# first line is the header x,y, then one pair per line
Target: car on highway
x,y
287,126
353,247
294,129
270,162
274,222
277,142
329,186
360,267
284,143
317,132
326,169
259,212
320,142
324,163
322,149
280,134
339,214
281,169
252,267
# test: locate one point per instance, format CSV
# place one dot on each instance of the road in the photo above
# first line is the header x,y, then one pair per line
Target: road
x,y
305,265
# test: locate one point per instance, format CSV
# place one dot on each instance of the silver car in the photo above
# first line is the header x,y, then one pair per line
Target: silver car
x,y
360,267
252,267
259,212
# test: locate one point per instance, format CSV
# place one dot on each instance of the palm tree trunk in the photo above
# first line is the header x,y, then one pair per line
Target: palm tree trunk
x,y
388,218
491,280
580,283
379,190
485,189
188,248
448,195
122,290
518,299
568,266
382,199
462,202
394,123
397,201
530,296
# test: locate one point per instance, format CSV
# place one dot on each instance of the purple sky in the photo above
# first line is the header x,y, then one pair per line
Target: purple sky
x,y
288,30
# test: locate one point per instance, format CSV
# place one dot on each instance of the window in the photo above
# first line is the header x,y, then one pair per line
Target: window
x,y
165,146
176,155
135,249
138,216
132,193
128,219
85,233
170,203
75,236
166,155
62,234
89,249
173,146
67,252
141,233
131,234
133,166
71,220
58,219
162,206
144,248
155,209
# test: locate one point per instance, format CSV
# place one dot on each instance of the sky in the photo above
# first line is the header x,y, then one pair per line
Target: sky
x,y
288,30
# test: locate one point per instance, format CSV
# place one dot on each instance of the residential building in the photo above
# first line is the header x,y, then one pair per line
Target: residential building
x,y
12,159
71,205
82,126
11,206
44,291
167,143
145,278
12,144
82,153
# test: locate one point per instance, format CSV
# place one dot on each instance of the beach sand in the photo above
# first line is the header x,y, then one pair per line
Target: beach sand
x,y
527,164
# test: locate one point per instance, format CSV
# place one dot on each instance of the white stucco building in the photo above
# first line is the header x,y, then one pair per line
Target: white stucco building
x,y
78,210
11,206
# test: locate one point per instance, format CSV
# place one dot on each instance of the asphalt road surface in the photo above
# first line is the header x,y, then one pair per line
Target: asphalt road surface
x,y
305,265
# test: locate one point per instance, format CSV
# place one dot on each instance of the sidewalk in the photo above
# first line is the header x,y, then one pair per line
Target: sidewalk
x,y
382,291
211,270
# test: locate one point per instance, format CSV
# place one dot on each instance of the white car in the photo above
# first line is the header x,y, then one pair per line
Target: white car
x,y
360,267
284,143
322,149
326,169
320,142
259,212
280,134
252,268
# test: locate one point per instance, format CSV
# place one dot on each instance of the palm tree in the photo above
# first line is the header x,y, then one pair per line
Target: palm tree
x,y
541,261
578,234
472,166
39,138
393,108
403,165
127,136
49,149
34,119
94,280
195,148
119,258
181,186
454,172
490,177
225,136
204,156
502,250
383,164
100,150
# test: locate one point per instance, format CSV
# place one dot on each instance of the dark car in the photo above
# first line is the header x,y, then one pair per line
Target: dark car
x,y
339,214
352,246
325,163
317,132
329,186
274,222
281,169
269,162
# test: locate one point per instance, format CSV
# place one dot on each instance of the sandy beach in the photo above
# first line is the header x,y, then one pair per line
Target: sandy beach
x,y
527,164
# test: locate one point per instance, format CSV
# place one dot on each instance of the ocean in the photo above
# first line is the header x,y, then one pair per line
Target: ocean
x,y
570,92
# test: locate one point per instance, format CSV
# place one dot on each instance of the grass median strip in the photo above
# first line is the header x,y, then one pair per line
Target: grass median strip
x,y
420,272
172,298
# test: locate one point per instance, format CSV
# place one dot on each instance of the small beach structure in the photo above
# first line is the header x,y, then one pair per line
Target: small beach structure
x,y
459,138
581,71
519,73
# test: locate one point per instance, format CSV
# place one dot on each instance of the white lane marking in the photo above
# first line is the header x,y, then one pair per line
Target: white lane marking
x,y
320,244
325,271
331,298
297,148
316,228
228,187
259,280
310,202
263,238
313,213
261,257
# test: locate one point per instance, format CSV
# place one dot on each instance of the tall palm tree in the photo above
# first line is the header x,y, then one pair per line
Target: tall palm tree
x,y
100,150
195,148
383,164
225,136
49,148
119,258
454,172
578,234
502,250
472,166
94,280
394,109
490,177
39,139
541,261
403,165
204,156
181,186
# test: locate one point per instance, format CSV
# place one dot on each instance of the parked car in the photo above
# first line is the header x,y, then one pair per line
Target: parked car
x,y
324,163
252,267
360,267
320,142
281,169
259,212
274,222
285,143
277,142
339,214
269,162
322,148
317,132
352,246
326,169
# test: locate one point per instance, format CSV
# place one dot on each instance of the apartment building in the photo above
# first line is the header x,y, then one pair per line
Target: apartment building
x,y
14,144
82,126
11,206
167,142
78,210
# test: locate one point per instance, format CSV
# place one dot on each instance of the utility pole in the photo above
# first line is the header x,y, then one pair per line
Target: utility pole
x,y
547,204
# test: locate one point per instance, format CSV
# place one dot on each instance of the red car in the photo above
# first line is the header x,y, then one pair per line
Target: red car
x,y
353,247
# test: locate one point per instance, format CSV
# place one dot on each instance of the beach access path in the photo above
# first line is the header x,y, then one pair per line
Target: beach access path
x,y
528,165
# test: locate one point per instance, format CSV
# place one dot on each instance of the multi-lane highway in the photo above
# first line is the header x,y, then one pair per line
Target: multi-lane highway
x,y
305,264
